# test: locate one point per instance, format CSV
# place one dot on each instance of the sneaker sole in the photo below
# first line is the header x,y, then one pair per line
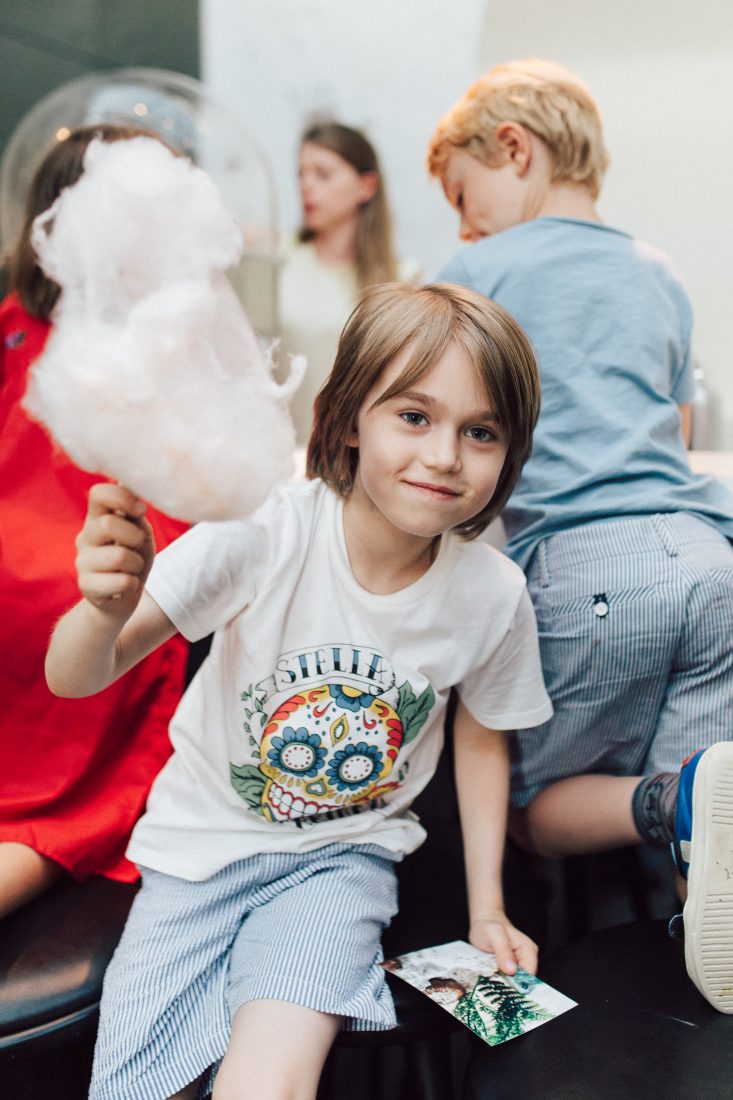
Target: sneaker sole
x,y
708,912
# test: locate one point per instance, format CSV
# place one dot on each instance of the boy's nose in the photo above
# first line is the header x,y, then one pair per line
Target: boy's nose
x,y
441,451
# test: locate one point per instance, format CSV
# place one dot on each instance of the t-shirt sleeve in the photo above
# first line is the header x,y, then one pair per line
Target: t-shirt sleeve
x,y
212,572
507,691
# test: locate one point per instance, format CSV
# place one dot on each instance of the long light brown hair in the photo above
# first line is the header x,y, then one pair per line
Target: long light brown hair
x,y
393,317
375,259
61,167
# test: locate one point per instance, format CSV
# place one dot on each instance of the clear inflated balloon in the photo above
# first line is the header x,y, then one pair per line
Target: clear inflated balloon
x,y
183,111
152,373
179,108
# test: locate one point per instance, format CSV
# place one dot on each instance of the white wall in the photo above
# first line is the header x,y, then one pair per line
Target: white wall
x,y
662,71
391,67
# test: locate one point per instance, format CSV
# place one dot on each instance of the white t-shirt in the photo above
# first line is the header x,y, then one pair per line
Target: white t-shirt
x,y
318,715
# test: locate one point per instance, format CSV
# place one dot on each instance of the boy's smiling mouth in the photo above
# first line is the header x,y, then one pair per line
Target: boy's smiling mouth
x,y
441,492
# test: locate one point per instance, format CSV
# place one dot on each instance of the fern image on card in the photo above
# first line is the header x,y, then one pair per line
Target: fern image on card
x,y
467,983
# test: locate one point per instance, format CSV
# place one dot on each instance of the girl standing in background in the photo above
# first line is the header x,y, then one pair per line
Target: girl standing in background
x,y
344,245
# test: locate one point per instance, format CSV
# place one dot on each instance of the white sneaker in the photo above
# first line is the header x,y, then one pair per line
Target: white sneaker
x,y
708,847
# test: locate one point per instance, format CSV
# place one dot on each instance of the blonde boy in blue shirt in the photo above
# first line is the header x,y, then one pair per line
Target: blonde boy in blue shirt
x,y
627,553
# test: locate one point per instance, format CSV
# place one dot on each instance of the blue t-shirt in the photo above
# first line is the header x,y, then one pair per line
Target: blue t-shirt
x,y
610,322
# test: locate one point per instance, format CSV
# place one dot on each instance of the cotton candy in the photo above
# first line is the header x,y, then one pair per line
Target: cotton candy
x,y
152,373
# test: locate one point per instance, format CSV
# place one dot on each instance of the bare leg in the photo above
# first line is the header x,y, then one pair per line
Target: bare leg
x,y
276,1052
24,874
585,813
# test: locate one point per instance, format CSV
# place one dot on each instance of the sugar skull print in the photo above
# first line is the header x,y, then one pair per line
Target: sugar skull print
x,y
329,748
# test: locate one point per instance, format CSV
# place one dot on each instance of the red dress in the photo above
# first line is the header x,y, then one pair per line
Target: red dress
x,y
74,773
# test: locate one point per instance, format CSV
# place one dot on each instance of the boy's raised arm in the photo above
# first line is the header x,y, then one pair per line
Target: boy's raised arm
x,y
116,623
482,783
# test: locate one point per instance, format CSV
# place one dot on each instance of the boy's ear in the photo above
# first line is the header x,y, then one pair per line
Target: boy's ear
x,y
516,144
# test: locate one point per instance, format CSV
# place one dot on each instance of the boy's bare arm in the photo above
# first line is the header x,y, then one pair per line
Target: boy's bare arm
x,y
482,782
116,623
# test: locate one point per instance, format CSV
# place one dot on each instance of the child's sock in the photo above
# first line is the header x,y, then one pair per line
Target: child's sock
x,y
653,805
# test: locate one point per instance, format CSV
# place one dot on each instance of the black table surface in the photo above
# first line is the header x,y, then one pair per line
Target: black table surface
x,y
641,1029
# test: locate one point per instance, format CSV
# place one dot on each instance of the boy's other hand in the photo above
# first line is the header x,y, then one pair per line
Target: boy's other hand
x,y
115,549
495,933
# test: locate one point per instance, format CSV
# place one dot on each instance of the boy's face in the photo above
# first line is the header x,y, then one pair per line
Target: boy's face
x,y
430,457
488,200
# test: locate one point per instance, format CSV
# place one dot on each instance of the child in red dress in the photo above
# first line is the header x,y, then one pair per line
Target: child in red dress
x,y
75,773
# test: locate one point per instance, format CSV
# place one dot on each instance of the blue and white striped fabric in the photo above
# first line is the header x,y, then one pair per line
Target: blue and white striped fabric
x,y
304,928
635,620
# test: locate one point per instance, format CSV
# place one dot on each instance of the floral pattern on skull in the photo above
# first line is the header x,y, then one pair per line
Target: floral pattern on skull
x,y
325,749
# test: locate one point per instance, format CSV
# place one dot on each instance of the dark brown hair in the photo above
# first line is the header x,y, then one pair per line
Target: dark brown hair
x,y
375,259
61,167
393,317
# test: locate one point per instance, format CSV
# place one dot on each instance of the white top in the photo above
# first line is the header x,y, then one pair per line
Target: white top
x,y
315,301
318,715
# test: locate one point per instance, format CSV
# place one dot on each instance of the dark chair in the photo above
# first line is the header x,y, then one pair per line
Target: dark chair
x,y
556,901
54,952
640,1029
53,955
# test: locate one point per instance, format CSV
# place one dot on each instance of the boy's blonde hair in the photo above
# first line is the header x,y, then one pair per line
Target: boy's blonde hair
x,y
546,98
392,317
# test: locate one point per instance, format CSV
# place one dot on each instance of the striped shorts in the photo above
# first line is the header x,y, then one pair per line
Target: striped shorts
x,y
635,620
304,928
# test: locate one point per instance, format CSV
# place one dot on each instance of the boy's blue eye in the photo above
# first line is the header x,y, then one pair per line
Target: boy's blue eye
x,y
415,418
481,435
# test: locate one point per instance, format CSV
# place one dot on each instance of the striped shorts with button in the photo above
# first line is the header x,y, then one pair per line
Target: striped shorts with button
x,y
635,621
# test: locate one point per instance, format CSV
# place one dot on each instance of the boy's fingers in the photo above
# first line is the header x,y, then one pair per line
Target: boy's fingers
x,y
110,527
503,950
109,558
526,955
110,497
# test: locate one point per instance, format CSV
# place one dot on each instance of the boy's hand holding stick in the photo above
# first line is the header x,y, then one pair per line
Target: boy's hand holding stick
x,y
115,550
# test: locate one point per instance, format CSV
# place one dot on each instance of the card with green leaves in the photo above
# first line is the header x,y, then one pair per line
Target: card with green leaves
x,y
467,983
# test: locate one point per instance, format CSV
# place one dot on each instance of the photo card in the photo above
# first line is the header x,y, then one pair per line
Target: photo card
x,y
468,983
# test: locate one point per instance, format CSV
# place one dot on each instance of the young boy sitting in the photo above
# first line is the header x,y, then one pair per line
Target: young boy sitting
x,y
626,551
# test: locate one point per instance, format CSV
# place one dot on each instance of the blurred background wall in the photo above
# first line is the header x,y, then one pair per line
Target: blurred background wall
x,y
391,68
661,69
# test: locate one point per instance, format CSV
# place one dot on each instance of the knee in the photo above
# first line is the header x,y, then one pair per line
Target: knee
x,y
256,1086
527,828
